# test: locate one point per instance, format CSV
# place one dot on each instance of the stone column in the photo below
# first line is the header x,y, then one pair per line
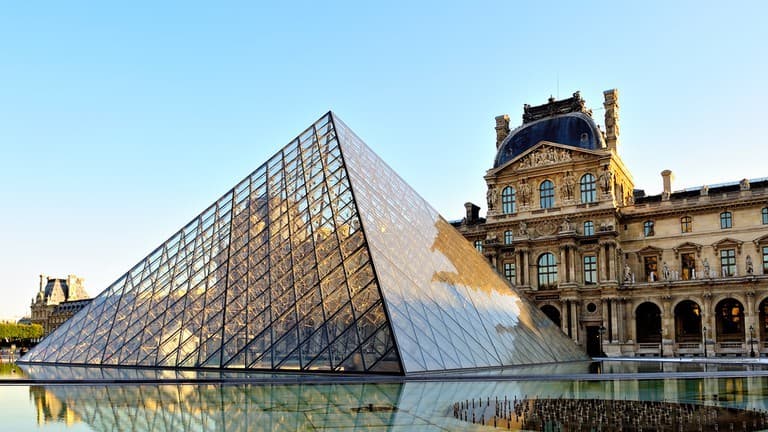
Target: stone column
x,y
706,321
575,320
572,268
630,321
667,327
526,269
601,273
611,261
615,310
564,316
518,268
605,319
562,265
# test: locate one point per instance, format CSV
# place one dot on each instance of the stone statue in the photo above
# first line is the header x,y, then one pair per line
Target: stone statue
x,y
627,274
705,263
750,268
569,183
744,184
704,190
665,271
566,226
523,229
491,196
525,192
606,178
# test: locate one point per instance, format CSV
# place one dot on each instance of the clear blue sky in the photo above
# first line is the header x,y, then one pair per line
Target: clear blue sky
x,y
118,124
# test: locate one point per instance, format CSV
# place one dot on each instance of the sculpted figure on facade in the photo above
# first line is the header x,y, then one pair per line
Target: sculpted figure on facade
x,y
491,196
525,192
523,231
545,156
744,184
705,264
568,186
704,190
750,267
627,274
665,273
566,225
606,179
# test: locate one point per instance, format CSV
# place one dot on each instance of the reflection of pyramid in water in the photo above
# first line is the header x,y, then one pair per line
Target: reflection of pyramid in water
x,y
323,259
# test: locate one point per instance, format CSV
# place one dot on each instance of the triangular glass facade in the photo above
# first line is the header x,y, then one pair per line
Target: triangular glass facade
x,y
322,259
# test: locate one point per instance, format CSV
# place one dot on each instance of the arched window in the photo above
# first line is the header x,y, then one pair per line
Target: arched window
x,y
764,212
687,322
508,200
547,194
686,224
547,268
589,228
726,220
588,189
648,228
729,316
648,323
552,313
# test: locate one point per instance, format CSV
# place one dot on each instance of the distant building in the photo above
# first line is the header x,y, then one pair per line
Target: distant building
x,y
619,271
57,300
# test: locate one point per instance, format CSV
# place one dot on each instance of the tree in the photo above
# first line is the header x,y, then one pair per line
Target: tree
x,y
19,333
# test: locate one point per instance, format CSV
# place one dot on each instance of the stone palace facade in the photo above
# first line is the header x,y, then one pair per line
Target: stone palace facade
x,y
683,273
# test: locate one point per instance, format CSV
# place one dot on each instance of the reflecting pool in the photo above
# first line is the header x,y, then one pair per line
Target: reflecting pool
x,y
185,402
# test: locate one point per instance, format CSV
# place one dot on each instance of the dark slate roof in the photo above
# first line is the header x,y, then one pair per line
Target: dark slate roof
x,y
696,191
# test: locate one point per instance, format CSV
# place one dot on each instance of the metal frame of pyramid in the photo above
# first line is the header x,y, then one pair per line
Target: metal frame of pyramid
x,y
322,259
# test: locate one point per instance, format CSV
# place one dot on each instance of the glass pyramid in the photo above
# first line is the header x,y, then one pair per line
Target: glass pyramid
x,y
323,259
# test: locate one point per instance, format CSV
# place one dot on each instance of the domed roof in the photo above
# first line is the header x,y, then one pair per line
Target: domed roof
x,y
574,129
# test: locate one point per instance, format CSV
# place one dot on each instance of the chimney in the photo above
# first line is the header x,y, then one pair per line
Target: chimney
x,y
611,105
43,280
502,129
473,213
667,177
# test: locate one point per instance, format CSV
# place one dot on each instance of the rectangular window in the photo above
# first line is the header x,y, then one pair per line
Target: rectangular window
x,y
651,268
686,224
479,245
688,266
589,228
508,237
648,228
590,269
726,220
765,259
764,213
509,271
728,262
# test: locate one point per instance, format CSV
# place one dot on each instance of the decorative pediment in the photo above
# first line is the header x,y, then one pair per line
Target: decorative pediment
x,y
547,153
650,250
728,243
543,155
686,247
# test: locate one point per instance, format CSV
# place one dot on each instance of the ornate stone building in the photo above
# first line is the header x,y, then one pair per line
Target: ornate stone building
x,y
57,300
622,273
